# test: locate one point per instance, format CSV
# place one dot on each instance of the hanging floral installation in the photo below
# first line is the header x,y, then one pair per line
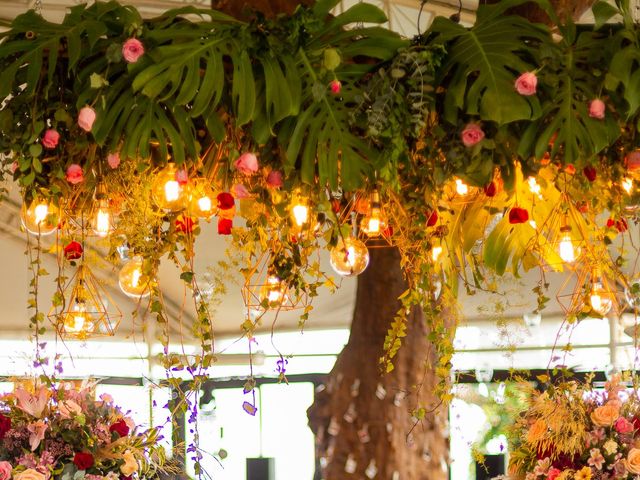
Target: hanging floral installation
x,y
475,151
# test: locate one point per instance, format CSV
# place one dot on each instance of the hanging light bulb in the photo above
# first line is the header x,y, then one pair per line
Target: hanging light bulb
x,y
273,293
102,220
201,197
373,224
300,213
167,191
534,187
600,300
132,280
567,250
77,321
350,257
436,251
461,187
40,217
627,185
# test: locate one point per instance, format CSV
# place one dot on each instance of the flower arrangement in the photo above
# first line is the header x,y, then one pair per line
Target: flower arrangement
x,y
66,434
573,432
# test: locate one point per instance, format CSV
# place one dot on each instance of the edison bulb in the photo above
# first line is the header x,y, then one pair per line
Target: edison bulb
x,y
461,187
132,280
201,197
435,253
77,321
101,222
40,217
600,300
627,185
273,293
300,214
350,257
167,192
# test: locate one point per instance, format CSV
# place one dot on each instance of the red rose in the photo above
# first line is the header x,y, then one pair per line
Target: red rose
x,y
518,215
491,189
570,169
185,224
83,460
73,251
336,206
225,201
120,427
590,172
224,226
5,425
432,218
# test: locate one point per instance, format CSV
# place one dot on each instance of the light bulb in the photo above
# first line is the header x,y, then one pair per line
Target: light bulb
x,y
101,224
435,253
627,185
461,187
166,191
300,214
566,250
40,217
600,300
534,187
132,280
201,197
350,257
273,293
77,321
373,223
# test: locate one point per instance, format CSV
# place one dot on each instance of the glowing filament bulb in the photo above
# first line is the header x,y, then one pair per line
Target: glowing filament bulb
x,y
600,301
135,278
171,191
77,319
204,204
300,214
40,213
275,294
374,225
566,250
534,187
461,187
627,185
436,252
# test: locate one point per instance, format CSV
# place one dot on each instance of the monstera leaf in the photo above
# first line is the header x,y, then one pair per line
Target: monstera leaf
x,y
484,61
566,115
320,141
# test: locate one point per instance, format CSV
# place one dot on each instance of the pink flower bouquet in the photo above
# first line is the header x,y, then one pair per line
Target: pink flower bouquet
x,y
56,433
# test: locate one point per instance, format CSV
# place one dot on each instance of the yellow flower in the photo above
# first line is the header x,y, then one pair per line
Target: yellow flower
x,y
583,474
566,475
130,465
633,461
29,474
537,431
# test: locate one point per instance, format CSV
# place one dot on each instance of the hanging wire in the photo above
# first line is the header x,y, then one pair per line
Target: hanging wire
x,y
422,4
456,16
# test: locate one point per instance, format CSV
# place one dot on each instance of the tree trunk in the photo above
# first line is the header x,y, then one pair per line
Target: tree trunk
x,y
362,419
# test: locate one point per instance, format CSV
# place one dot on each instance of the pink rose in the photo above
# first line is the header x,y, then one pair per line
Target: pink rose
x,y
471,134
622,425
247,163
240,191
50,138
86,117
526,83
5,470
132,50
113,159
553,473
182,177
597,108
274,179
75,174
335,86
14,167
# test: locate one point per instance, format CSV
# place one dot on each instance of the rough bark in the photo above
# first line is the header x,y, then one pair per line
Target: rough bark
x,y
364,416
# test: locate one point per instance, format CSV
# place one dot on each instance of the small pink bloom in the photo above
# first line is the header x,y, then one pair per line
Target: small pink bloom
x,y
14,167
596,459
247,163
86,117
335,86
182,177
132,50
471,134
106,398
113,159
526,83
597,108
274,179
36,430
240,191
5,470
75,174
553,473
69,409
50,138
623,425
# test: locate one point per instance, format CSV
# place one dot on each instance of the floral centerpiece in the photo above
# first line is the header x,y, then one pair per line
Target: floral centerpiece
x,y
573,432
66,434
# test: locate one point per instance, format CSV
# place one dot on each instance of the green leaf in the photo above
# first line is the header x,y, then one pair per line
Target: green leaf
x,y
603,12
98,81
